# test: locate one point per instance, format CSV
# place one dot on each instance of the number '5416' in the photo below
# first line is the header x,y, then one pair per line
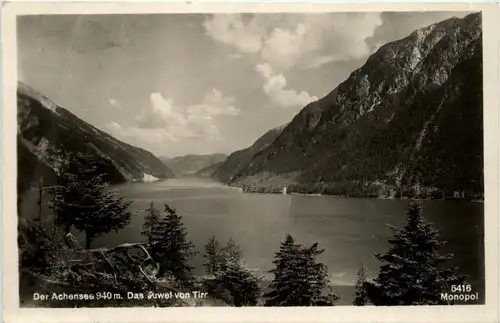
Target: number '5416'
x,y
461,288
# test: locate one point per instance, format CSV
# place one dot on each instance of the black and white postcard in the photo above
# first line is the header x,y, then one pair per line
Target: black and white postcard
x,y
293,162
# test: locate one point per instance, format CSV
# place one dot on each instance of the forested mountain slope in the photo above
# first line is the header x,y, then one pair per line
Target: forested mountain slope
x,y
411,114
239,159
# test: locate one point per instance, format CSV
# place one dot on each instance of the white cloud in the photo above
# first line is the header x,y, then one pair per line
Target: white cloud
x,y
235,55
114,103
160,114
264,69
321,60
214,104
148,138
163,121
230,29
288,40
112,125
283,41
275,87
284,47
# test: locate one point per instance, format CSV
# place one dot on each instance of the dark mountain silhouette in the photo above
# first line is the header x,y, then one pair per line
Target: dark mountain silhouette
x,y
237,160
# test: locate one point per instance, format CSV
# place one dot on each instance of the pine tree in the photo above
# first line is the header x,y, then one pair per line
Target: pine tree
x,y
231,253
233,282
285,278
213,254
413,272
360,295
299,280
82,199
316,288
62,200
170,246
241,285
150,220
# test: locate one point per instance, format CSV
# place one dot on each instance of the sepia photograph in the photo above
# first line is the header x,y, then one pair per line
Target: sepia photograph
x,y
250,159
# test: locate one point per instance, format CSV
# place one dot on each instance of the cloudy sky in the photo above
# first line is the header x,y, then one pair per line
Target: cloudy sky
x,y
179,84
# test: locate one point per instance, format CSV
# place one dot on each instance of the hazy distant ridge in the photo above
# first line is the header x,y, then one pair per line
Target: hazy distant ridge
x,y
190,164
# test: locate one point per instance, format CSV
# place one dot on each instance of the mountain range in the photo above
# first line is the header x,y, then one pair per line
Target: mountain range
x,y
412,114
46,130
233,164
190,164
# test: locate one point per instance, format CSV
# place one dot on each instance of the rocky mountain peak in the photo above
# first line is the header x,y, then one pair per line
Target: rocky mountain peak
x,y
399,109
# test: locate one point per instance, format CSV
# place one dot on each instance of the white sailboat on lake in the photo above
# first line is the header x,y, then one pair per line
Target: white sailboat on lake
x,y
284,190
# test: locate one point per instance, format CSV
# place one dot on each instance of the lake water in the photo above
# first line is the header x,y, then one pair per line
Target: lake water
x,y
350,230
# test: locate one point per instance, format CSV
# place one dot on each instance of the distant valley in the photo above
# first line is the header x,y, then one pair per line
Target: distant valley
x,y
190,164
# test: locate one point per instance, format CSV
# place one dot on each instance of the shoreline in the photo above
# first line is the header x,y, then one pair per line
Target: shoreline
x,y
361,196
265,190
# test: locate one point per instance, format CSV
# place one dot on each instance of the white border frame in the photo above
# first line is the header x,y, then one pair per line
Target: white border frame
x,y
466,313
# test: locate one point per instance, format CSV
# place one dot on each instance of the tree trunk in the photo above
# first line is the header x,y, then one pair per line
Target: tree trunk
x,y
88,240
